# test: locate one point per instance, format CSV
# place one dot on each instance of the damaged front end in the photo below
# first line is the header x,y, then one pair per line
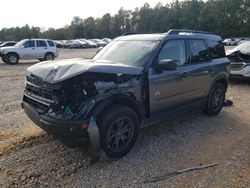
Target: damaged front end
x,y
64,108
239,64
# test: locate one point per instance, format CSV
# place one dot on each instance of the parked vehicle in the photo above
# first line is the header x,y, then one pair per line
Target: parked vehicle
x,y
107,40
135,81
99,42
73,44
83,43
64,43
9,43
42,49
89,43
240,61
58,44
231,42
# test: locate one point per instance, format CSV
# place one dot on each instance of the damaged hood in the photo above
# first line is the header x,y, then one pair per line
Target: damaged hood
x,y
59,70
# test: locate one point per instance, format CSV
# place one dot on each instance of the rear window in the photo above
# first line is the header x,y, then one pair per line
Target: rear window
x,y
216,49
51,43
41,43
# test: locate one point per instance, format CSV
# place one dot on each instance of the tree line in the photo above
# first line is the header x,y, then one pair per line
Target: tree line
x,y
228,18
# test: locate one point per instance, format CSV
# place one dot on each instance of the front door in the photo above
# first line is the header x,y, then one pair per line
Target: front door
x,y
28,50
168,89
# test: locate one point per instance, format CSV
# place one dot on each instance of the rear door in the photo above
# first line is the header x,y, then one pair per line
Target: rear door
x,y
200,66
42,48
169,89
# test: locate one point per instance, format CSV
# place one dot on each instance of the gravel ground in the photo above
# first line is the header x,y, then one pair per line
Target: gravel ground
x,y
31,158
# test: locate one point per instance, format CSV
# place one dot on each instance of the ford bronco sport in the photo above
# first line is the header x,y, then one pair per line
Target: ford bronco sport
x,y
134,81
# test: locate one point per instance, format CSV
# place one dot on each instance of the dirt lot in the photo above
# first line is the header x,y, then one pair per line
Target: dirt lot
x,y
31,158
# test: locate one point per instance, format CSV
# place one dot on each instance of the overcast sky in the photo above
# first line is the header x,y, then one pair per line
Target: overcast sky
x,y
58,13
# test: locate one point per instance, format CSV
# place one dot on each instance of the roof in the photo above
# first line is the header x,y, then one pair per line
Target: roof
x,y
174,33
138,37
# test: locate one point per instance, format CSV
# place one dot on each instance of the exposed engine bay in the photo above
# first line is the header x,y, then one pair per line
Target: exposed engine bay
x,y
239,56
70,96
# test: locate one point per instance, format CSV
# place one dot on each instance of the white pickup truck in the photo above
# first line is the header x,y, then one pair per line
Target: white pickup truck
x,y
42,49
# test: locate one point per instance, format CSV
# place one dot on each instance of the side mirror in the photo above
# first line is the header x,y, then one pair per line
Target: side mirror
x,y
98,50
167,64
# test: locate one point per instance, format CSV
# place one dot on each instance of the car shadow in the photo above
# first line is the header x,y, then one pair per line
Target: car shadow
x,y
21,63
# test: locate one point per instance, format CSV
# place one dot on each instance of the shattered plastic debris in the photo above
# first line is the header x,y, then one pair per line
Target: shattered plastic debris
x,y
64,113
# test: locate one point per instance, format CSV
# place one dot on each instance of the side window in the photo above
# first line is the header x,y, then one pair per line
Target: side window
x,y
29,44
198,51
51,43
216,49
173,49
41,43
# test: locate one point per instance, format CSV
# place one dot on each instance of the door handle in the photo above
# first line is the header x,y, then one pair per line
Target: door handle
x,y
45,48
184,74
33,48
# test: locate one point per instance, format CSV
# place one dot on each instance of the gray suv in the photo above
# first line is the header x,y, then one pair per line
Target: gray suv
x,y
135,81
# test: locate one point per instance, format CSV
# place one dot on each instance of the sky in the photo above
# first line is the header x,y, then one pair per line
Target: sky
x,y
58,13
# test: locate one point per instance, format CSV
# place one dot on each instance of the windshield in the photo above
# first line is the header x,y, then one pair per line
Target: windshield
x,y
20,43
244,47
127,52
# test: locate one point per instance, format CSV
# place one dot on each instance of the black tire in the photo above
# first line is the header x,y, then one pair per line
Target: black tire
x,y
12,58
215,100
41,59
4,60
119,128
49,57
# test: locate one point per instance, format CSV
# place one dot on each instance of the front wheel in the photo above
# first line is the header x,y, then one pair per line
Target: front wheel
x,y
12,58
215,100
119,127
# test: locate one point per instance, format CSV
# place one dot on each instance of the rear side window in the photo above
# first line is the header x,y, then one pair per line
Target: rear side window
x,y
51,43
41,43
29,44
216,49
198,51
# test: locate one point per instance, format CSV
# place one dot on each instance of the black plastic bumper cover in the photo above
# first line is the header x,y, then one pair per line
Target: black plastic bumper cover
x,y
67,130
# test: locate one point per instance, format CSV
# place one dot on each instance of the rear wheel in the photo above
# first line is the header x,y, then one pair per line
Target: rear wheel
x,y
215,100
119,127
49,57
12,58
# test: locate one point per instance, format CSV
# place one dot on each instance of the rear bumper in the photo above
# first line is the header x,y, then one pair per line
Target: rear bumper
x,y
67,130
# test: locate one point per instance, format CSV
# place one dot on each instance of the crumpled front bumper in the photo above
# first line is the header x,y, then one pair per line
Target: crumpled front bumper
x,y
243,73
67,130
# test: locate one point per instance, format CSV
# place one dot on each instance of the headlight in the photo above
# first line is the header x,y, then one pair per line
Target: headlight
x,y
3,51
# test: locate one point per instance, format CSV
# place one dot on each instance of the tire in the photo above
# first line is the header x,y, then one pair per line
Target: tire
x,y
215,100
12,58
49,57
4,60
119,128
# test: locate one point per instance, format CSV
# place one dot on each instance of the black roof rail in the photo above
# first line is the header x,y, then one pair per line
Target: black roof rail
x,y
177,31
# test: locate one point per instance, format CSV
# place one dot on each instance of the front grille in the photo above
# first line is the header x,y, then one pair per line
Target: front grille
x,y
40,106
237,66
34,80
39,91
